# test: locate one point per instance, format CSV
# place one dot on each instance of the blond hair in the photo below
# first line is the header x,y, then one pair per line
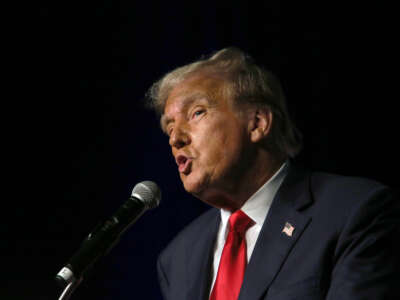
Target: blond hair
x,y
246,83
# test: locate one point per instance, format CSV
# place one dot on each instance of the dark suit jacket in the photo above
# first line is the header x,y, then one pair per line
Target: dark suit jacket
x,y
345,245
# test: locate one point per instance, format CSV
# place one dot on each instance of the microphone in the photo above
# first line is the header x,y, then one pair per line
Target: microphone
x,y
145,195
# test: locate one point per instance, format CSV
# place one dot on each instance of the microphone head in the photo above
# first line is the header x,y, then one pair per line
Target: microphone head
x,y
148,192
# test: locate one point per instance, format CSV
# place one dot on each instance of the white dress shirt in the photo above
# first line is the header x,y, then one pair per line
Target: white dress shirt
x,y
256,207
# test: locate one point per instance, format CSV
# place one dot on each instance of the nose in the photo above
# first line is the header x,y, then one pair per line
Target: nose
x,y
179,138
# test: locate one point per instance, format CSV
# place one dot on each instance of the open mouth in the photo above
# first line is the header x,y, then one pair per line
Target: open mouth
x,y
184,164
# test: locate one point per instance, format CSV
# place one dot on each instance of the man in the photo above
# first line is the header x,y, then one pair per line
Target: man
x,y
276,231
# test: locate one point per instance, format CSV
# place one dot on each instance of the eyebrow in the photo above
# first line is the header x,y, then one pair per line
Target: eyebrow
x,y
188,101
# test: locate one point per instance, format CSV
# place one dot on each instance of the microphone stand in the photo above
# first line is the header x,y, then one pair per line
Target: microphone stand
x,y
70,288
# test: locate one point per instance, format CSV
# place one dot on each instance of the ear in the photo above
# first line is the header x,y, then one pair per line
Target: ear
x,y
260,124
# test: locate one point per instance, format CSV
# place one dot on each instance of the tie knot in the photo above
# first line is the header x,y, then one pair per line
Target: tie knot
x,y
240,222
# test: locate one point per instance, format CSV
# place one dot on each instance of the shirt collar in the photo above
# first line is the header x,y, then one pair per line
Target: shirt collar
x,y
257,206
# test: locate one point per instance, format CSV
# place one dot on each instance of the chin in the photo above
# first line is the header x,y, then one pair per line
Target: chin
x,y
193,185
192,188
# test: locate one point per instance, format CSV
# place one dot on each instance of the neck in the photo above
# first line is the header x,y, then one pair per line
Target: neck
x,y
255,176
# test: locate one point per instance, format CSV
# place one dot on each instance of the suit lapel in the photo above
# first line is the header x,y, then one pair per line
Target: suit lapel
x,y
273,245
199,259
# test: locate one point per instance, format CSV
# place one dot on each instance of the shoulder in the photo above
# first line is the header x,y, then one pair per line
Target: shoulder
x,y
334,199
348,197
345,190
332,190
198,228
333,182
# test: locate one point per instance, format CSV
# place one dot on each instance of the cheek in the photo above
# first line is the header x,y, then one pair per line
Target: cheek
x,y
219,143
220,150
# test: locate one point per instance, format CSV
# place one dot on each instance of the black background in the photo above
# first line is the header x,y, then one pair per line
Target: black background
x,y
77,138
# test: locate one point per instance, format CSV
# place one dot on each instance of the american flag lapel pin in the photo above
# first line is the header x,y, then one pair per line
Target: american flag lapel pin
x,y
288,229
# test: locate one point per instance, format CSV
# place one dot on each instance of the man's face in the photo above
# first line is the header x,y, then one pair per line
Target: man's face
x,y
209,139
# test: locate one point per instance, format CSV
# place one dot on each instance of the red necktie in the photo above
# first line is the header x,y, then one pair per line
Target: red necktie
x,y
233,259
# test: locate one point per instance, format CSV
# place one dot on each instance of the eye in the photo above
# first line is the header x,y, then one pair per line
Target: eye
x,y
198,113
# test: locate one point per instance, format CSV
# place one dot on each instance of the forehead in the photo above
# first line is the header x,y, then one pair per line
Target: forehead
x,y
207,89
196,86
